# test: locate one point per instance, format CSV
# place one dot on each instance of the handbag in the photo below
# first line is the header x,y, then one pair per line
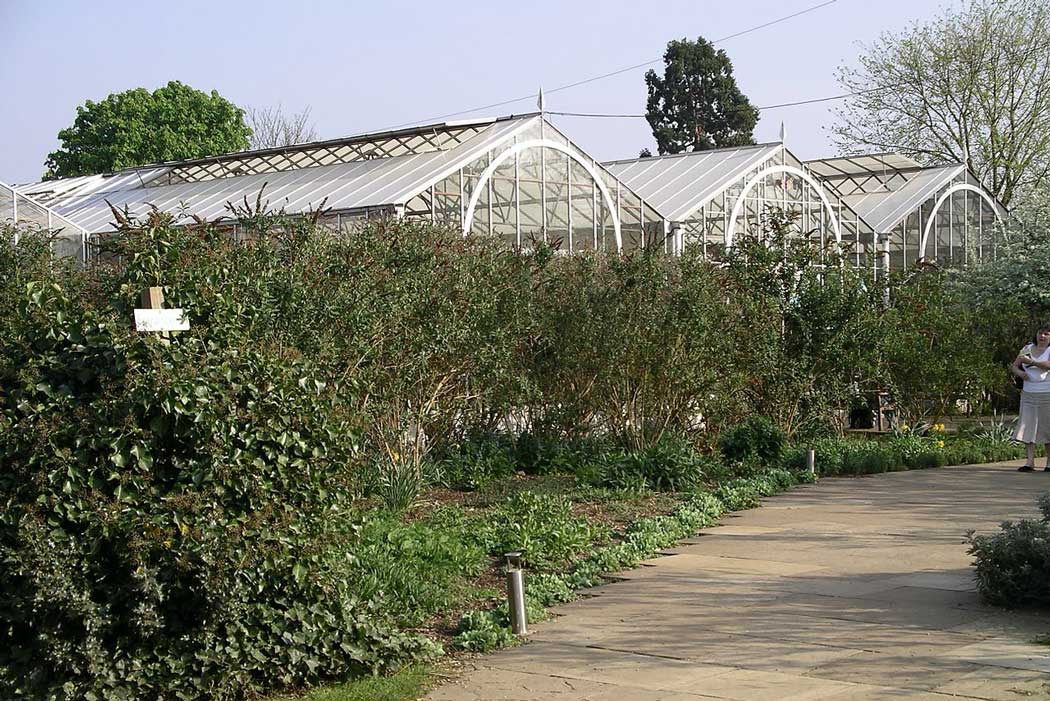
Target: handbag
x,y
1019,381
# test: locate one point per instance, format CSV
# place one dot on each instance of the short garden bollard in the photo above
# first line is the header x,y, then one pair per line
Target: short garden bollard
x,y
811,461
516,594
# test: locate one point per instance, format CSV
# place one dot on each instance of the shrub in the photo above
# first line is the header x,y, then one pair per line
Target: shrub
x,y
413,570
668,465
157,530
756,437
484,631
1013,566
472,464
541,526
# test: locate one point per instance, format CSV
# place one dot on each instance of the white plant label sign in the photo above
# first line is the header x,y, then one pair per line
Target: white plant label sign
x,y
160,320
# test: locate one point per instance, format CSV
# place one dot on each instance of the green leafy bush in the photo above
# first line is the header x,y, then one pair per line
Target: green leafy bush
x,y
667,465
413,570
541,526
157,530
1013,566
473,464
756,437
484,631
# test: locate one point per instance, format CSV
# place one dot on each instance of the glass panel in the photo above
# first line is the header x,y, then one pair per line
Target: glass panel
x,y
68,245
7,205
556,193
447,202
583,213
530,207
504,221
631,221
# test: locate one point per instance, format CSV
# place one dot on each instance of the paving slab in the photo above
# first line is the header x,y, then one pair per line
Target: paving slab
x,y
850,589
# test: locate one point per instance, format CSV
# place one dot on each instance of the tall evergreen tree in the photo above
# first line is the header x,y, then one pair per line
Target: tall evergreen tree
x,y
697,105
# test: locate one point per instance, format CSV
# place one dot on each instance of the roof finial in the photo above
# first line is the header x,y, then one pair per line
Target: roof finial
x,y
783,133
539,101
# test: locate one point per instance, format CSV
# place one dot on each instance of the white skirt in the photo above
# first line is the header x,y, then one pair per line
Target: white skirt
x,y
1033,425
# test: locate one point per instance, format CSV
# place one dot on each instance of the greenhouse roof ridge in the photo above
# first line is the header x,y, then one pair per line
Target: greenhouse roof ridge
x,y
686,154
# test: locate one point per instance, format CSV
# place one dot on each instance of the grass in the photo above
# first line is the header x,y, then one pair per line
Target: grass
x,y
409,684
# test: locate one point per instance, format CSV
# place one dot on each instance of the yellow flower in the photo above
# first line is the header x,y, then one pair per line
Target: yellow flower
x,y
904,427
940,444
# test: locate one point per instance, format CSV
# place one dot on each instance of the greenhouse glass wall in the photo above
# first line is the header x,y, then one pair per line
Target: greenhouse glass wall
x,y
940,214
22,212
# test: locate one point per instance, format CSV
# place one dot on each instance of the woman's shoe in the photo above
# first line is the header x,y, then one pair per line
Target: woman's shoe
x,y
1026,468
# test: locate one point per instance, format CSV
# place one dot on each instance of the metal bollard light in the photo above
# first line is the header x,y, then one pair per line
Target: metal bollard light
x,y
811,461
516,594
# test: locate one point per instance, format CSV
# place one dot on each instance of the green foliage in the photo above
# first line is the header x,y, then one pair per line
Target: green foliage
x,y
484,631
542,527
475,463
137,127
407,684
1013,565
413,570
925,324
668,465
756,437
158,529
905,451
805,326
621,346
697,105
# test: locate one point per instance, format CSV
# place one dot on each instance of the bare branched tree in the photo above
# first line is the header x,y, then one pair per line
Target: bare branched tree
x,y
271,127
973,87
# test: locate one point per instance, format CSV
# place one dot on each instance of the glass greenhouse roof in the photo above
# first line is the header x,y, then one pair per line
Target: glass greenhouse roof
x,y
850,166
886,197
677,185
364,177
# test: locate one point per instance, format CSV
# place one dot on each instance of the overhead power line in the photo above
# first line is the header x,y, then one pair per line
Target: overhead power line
x,y
810,101
610,74
760,109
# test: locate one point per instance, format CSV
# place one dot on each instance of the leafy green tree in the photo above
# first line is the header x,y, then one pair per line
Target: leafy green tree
x,y
697,105
137,127
972,86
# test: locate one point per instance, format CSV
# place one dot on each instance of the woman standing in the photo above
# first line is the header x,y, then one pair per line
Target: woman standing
x,y
1033,426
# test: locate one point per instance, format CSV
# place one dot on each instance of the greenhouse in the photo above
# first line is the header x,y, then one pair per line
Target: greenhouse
x,y
517,178
16,208
521,179
711,197
940,213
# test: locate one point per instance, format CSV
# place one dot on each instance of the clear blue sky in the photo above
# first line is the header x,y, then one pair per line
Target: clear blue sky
x,y
363,66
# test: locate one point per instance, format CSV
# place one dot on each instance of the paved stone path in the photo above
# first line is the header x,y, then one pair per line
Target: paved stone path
x,y
850,589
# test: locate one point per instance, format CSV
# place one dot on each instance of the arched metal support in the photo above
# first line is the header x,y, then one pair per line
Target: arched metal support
x,y
958,187
610,203
773,170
